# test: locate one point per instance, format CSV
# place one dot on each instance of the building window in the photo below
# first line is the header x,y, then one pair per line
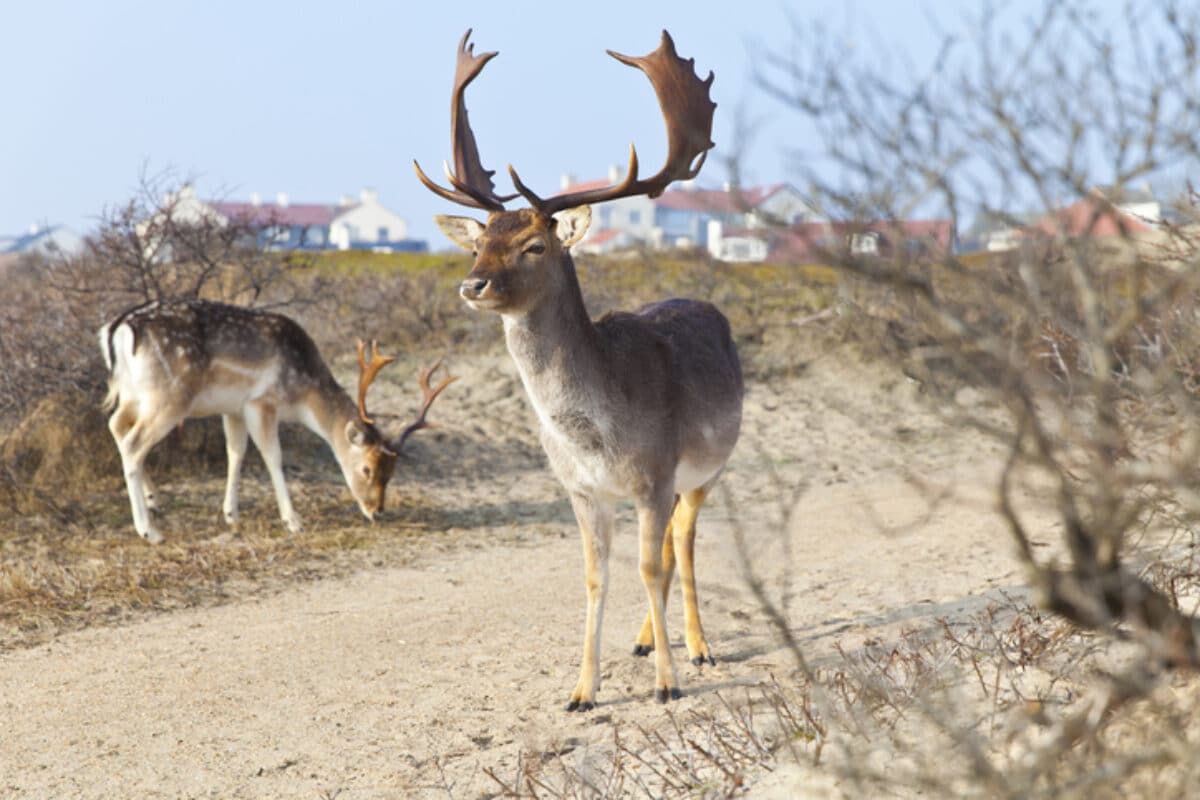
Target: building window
x,y
383,233
864,244
635,217
314,236
605,216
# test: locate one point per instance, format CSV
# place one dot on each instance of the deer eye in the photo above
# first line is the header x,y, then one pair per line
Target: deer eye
x,y
534,248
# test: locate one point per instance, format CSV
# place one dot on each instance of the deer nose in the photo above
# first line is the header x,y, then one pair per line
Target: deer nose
x,y
473,287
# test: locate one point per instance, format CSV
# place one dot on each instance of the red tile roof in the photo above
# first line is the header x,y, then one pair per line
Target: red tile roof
x,y
272,214
1090,216
717,200
600,237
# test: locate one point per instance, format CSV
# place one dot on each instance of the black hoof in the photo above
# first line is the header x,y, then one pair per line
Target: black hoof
x,y
643,649
699,661
577,705
661,695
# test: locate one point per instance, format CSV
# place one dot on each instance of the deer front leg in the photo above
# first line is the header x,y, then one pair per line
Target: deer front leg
x,y
263,425
150,492
595,520
652,528
236,440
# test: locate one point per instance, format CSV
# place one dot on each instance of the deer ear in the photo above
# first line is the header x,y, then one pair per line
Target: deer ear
x,y
572,224
355,434
463,231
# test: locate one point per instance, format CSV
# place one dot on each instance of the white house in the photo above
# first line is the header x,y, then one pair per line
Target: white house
x,y
682,216
365,224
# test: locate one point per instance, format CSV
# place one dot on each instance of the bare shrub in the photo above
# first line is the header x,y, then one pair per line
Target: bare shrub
x,y
1085,335
157,245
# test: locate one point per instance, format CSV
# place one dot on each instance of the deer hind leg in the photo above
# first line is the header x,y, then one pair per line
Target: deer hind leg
x,y
595,527
262,422
119,424
135,436
684,524
652,529
236,441
644,645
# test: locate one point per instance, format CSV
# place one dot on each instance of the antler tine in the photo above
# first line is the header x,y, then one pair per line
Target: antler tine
x,y
688,112
366,374
429,394
472,183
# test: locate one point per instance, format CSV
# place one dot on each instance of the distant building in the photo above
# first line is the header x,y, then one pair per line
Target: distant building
x,y
682,217
52,240
1102,213
812,242
362,224
350,224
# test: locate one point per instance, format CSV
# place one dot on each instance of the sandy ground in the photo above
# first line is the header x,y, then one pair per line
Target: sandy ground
x,y
412,681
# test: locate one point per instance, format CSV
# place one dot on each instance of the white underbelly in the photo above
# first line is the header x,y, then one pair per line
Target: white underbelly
x,y
689,476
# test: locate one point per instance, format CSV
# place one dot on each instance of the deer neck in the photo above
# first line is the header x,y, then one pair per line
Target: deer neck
x,y
327,407
556,347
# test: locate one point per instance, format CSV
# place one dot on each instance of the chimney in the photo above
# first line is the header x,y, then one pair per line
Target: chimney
x,y
566,181
614,173
716,238
255,199
368,196
688,186
345,201
33,229
281,199
727,187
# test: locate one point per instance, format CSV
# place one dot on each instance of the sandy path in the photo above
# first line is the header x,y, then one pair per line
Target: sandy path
x,y
403,682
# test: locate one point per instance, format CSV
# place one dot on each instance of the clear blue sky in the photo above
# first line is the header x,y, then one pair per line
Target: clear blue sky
x,y
322,99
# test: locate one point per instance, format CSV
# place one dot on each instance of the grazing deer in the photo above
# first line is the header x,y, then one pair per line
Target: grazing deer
x,y
643,405
175,359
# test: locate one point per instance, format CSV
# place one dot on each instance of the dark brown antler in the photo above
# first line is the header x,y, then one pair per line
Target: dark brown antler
x,y
367,373
472,183
688,111
430,395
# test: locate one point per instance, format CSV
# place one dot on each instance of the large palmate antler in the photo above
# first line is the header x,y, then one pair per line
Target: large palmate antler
x,y
367,373
688,111
430,394
472,183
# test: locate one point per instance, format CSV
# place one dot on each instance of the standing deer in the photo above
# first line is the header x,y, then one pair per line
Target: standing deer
x,y
176,359
643,405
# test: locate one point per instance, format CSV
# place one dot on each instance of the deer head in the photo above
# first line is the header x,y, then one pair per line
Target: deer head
x,y
372,456
516,252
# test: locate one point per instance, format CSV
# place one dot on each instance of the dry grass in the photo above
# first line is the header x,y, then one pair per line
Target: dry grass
x,y
68,558
77,563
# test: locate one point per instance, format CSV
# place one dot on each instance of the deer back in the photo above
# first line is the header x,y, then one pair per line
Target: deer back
x,y
216,357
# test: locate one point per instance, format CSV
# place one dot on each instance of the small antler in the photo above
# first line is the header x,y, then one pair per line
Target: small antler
x,y
472,183
688,112
430,394
367,373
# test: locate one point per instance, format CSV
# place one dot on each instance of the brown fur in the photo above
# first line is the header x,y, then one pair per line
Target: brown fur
x,y
629,404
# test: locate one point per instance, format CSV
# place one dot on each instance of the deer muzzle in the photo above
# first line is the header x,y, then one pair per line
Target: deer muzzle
x,y
478,291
